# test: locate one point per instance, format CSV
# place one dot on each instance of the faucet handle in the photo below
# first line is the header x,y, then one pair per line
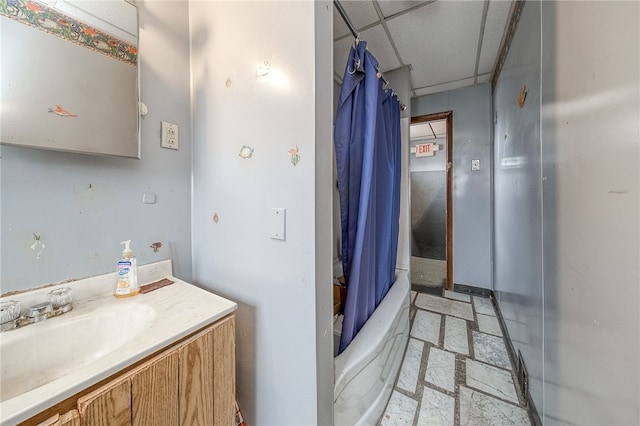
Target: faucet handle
x,y
39,312
9,314
9,311
61,299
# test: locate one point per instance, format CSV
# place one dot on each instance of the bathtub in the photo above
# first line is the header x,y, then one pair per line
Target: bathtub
x,y
366,370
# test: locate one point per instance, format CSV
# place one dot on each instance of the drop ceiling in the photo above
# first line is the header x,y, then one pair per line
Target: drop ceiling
x,y
446,44
428,130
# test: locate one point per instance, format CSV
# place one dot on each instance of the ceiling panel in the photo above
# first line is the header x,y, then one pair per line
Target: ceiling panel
x,y
497,17
439,127
484,78
339,27
437,38
360,12
452,85
420,131
378,43
440,40
391,7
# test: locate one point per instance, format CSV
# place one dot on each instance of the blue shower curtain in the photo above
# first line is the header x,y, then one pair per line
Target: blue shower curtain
x,y
367,144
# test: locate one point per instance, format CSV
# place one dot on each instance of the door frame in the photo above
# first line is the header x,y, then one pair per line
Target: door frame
x,y
447,115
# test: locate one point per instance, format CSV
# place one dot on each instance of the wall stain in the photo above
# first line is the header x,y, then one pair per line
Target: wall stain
x,y
89,198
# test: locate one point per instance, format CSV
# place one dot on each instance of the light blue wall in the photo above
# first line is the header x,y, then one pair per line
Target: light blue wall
x,y
471,108
82,206
282,287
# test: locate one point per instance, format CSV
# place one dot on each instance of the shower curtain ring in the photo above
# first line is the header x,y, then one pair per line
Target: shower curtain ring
x,y
355,67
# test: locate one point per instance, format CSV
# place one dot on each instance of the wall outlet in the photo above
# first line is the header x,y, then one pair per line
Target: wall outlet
x,y
475,165
169,135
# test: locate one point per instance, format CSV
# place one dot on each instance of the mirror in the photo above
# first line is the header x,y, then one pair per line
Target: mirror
x,y
70,76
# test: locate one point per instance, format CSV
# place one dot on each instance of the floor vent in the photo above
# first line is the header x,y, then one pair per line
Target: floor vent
x,y
523,377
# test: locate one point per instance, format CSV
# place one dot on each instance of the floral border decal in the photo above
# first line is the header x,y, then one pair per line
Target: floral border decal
x,y
54,22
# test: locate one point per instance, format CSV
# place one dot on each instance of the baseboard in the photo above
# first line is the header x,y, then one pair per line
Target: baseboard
x,y
474,291
427,289
531,406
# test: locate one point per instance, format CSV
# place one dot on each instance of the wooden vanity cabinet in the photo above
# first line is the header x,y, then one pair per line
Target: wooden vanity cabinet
x,y
190,383
71,418
154,392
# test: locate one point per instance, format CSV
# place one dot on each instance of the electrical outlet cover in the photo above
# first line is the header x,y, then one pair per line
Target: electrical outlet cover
x,y
169,135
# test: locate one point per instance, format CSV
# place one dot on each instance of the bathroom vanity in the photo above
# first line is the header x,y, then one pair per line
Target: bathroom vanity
x,y
189,383
163,357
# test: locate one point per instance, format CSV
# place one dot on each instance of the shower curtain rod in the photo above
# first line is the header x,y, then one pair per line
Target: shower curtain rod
x,y
347,21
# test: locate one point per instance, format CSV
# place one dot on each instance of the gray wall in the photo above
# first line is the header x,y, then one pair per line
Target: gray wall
x,y
82,206
471,108
567,230
517,198
590,149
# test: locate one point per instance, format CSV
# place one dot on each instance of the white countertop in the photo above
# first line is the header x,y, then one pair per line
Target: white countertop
x,y
179,310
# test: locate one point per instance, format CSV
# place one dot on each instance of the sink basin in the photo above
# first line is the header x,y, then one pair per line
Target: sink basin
x,y
49,362
40,353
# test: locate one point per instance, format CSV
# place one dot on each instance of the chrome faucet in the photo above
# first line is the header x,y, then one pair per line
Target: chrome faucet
x,y
39,312
59,303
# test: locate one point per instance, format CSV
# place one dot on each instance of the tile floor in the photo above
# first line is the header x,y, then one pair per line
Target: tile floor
x,y
456,369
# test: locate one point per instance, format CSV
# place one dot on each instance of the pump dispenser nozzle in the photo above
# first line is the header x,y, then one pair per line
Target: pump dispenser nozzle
x,y
127,253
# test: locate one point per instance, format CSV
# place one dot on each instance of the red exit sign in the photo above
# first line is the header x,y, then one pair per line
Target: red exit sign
x,y
426,149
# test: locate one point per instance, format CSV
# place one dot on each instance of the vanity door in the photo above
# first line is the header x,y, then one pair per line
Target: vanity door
x,y
109,405
71,418
207,376
154,392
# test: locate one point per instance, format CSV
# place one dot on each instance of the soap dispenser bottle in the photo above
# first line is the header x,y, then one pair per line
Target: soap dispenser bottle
x,y
126,273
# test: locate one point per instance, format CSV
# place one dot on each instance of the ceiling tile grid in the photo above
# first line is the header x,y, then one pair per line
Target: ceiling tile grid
x,y
361,14
438,39
452,85
390,8
378,43
428,130
497,17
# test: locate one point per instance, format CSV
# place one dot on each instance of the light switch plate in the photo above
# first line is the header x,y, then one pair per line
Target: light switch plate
x,y
277,223
148,198
169,135
475,165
